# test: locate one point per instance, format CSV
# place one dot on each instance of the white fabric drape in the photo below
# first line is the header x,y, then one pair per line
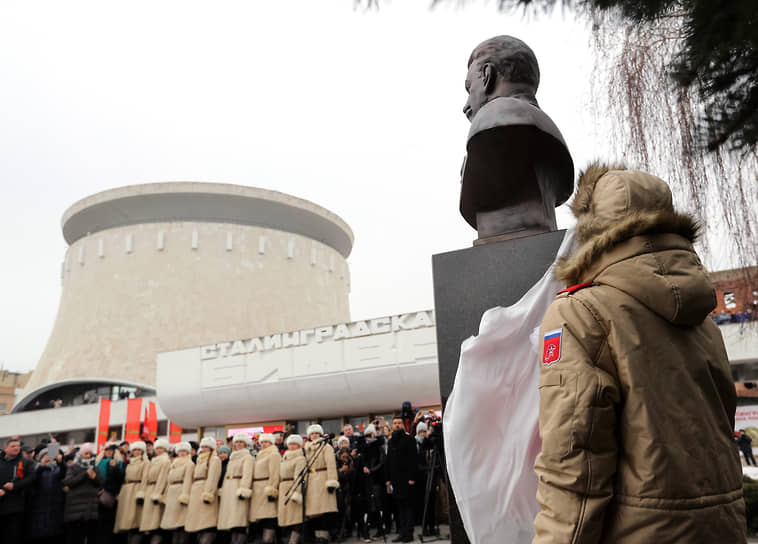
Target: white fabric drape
x,y
491,418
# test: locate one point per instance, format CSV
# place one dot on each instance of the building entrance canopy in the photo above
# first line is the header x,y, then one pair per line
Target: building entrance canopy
x,y
359,367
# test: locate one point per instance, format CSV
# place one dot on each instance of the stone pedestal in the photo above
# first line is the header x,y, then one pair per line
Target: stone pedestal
x,y
469,282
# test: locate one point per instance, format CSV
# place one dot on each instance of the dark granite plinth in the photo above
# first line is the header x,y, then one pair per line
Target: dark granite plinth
x,y
469,282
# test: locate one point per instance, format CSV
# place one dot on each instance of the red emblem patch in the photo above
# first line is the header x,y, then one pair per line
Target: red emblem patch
x,y
551,352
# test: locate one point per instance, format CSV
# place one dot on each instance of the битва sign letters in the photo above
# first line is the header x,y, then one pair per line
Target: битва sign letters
x,y
330,333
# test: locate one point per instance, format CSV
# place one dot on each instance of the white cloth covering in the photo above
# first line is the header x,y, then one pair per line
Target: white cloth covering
x,y
494,405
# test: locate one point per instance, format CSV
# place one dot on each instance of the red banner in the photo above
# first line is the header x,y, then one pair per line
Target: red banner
x,y
103,424
151,422
272,428
133,413
174,433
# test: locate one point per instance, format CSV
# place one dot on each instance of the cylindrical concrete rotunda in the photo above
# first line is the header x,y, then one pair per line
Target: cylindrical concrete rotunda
x,y
164,266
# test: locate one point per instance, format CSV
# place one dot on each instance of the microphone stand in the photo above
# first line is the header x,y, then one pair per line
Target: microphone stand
x,y
301,480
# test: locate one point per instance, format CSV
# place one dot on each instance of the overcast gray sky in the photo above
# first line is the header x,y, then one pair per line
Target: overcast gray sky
x,y
358,112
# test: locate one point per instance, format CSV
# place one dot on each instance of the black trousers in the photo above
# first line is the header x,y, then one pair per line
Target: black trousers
x,y
748,453
79,532
11,528
404,509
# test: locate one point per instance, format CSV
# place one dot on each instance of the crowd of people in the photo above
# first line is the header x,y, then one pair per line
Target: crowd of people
x,y
274,487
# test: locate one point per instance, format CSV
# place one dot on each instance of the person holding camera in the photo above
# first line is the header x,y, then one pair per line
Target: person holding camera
x,y
263,505
372,475
82,485
401,477
345,493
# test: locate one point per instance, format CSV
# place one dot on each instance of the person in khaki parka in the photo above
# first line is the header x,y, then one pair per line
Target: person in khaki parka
x,y
236,490
263,505
129,510
178,493
154,482
291,514
202,512
322,484
637,400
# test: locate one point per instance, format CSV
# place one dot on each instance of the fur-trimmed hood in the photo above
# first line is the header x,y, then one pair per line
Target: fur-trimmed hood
x,y
629,236
612,205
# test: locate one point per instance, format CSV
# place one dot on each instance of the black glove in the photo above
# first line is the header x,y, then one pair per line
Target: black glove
x,y
140,501
271,499
330,490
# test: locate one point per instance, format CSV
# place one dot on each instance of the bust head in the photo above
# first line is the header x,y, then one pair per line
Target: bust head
x,y
501,66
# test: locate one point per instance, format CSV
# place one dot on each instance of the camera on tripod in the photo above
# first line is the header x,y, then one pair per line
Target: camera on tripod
x,y
434,436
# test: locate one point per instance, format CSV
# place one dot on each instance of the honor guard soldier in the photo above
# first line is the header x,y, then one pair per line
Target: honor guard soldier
x,y
291,514
322,484
178,493
154,483
129,512
237,489
263,506
202,512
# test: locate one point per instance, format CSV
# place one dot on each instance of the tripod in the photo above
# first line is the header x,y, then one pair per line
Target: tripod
x,y
435,464
301,480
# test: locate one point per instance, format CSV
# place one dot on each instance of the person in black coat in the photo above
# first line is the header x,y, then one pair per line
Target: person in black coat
x,y
16,477
111,468
346,476
372,477
82,485
45,519
746,446
401,477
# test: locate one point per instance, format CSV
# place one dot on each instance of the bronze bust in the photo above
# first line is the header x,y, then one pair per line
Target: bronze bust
x,y
517,168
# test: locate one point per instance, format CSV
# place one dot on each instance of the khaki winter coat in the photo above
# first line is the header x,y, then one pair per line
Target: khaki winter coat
x,y
236,491
292,512
637,400
178,493
202,512
154,481
265,484
320,492
129,513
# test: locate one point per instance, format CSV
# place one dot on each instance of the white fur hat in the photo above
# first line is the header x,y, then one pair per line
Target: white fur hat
x,y
161,443
343,439
209,442
266,437
183,446
295,439
243,437
315,429
138,445
370,430
421,427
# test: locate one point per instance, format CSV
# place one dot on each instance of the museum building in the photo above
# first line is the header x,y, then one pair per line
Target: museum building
x,y
225,305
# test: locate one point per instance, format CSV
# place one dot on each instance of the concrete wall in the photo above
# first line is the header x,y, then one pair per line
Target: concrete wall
x,y
130,292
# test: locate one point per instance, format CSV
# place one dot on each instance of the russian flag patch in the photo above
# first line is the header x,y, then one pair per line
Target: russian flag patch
x,y
552,347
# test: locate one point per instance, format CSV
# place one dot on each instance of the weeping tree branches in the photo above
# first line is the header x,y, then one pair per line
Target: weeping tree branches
x,y
654,126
